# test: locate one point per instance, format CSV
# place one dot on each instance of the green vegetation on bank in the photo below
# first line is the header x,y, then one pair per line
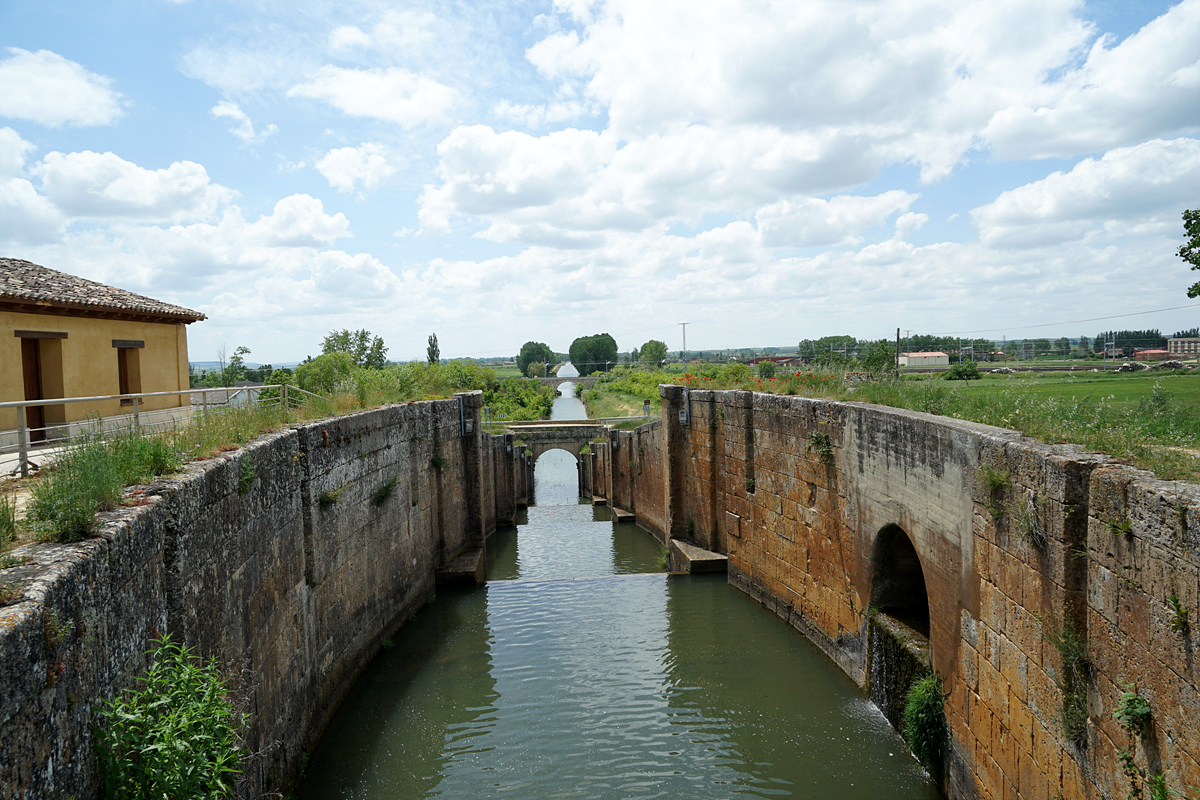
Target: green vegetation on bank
x,y
176,735
92,474
1151,419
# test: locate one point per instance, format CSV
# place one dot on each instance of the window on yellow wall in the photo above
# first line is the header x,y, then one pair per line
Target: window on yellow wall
x,y
129,375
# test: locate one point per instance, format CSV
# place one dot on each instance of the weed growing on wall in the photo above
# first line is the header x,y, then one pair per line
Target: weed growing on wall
x,y
995,482
329,497
174,736
925,722
1179,615
438,463
1027,522
1132,713
818,442
1072,678
247,474
385,491
8,521
1122,527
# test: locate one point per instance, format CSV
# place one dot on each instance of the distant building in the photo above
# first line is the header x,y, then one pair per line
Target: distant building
x,y
935,358
1152,355
64,336
1189,346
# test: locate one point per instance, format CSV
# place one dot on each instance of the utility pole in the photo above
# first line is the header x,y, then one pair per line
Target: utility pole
x,y
683,355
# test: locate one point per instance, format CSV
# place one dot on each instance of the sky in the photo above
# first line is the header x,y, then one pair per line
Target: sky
x,y
502,172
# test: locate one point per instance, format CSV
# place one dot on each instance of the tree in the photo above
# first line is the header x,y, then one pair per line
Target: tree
x,y
1190,251
433,353
236,371
1062,346
766,369
325,372
363,347
533,352
593,353
653,352
879,356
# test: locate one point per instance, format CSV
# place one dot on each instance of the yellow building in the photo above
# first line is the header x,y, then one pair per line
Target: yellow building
x,y
63,336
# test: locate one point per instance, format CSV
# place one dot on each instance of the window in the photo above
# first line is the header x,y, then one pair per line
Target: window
x,y
129,375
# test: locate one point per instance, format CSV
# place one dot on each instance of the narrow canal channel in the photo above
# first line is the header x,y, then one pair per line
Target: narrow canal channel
x,y
583,671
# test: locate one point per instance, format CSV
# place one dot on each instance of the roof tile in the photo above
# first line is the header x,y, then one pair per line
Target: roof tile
x,y
24,280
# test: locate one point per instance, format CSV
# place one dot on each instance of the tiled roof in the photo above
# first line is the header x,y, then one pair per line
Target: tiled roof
x,y
24,281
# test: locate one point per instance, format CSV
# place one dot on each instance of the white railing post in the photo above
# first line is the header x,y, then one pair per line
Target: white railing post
x,y
22,442
283,394
137,420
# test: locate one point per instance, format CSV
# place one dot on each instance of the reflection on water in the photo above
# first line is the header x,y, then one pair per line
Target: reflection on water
x,y
606,685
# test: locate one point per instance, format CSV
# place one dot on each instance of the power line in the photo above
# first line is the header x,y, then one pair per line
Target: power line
x,y
1069,322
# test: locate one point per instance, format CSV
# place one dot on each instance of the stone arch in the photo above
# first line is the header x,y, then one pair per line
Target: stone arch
x,y
567,447
898,586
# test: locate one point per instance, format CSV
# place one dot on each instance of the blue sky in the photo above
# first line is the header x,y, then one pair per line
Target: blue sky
x,y
500,172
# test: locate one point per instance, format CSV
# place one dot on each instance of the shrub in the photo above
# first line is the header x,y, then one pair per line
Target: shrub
x,y
963,371
174,736
925,721
766,369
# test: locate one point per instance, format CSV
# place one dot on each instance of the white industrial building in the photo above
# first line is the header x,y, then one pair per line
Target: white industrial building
x,y
934,359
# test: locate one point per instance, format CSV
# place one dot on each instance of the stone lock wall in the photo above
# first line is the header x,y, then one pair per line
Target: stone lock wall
x,y
1015,540
288,561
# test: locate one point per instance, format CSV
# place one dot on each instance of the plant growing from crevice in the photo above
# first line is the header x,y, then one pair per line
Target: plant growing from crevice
x,y
995,482
380,495
664,558
56,630
1028,524
925,722
175,735
1072,678
329,497
1132,713
8,521
1179,615
749,485
818,442
438,462
247,474
1122,527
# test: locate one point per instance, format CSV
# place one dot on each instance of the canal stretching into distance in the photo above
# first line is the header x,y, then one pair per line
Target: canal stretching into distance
x,y
583,671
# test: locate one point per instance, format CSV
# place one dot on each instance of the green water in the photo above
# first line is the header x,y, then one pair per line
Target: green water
x,y
582,672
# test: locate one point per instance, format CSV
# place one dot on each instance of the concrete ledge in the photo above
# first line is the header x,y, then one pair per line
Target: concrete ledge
x,y
468,568
689,558
621,515
599,501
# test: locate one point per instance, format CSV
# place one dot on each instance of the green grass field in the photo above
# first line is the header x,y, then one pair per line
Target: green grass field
x,y
1120,389
506,372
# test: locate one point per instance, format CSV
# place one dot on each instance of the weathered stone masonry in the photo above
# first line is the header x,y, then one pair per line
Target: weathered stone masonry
x,y
808,496
290,560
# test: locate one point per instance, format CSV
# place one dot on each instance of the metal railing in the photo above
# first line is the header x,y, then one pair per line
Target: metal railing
x,y
59,434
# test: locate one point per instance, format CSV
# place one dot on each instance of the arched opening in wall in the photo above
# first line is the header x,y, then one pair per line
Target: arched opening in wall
x,y
898,581
555,478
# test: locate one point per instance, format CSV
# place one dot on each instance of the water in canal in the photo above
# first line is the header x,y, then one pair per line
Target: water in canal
x,y
583,671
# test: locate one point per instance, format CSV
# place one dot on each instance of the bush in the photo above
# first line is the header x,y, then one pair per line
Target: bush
x,y
175,736
925,721
766,369
962,371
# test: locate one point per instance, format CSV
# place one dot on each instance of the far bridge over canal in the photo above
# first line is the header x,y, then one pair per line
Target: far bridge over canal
x,y
569,435
555,382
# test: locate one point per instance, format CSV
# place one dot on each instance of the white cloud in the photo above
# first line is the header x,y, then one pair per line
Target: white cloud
x,y
538,116
810,221
27,218
394,94
299,221
46,88
574,183
103,185
13,150
1148,85
1139,189
244,129
393,32
370,162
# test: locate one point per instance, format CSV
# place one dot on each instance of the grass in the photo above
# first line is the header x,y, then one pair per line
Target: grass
x,y
925,722
1150,419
